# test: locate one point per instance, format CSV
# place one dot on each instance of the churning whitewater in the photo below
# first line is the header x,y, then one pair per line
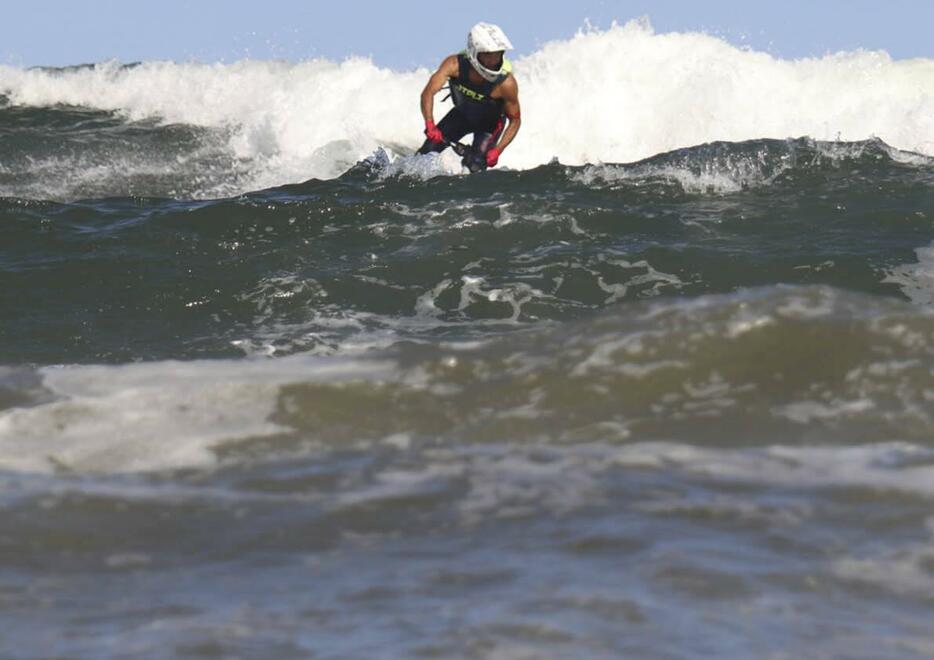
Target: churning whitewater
x,y
661,385
617,95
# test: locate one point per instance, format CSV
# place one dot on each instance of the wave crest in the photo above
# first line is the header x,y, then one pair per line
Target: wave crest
x,y
617,95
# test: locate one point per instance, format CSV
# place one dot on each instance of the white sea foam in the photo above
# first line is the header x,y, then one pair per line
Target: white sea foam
x,y
894,466
169,415
906,571
720,180
614,95
508,481
916,279
153,416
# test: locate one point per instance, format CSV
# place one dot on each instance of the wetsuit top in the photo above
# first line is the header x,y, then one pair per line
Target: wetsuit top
x,y
474,101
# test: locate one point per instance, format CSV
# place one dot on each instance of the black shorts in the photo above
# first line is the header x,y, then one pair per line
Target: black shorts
x,y
456,125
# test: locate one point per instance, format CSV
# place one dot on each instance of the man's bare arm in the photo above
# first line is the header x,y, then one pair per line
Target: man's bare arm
x,y
510,96
448,69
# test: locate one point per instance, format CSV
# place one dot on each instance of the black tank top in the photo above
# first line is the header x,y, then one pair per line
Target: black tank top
x,y
474,101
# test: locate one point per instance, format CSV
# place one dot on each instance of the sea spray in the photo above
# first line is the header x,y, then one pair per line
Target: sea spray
x,y
614,95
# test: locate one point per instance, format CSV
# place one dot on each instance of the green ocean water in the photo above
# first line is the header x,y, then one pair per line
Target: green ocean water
x,y
682,407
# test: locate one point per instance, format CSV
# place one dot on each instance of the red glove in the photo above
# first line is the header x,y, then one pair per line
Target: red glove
x,y
433,132
492,157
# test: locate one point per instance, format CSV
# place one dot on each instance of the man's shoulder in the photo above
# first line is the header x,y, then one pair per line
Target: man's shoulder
x,y
509,87
451,62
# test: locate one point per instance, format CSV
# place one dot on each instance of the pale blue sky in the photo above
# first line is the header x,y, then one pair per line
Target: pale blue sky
x,y
406,34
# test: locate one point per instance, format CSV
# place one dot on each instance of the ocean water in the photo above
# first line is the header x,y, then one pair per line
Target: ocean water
x,y
661,385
